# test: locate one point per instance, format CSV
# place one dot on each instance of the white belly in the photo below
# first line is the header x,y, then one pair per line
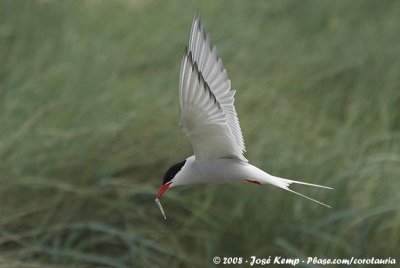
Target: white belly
x,y
217,171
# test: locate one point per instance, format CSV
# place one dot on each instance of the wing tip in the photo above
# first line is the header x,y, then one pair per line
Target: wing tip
x,y
197,14
197,18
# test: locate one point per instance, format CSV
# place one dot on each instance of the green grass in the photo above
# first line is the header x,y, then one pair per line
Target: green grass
x,y
88,125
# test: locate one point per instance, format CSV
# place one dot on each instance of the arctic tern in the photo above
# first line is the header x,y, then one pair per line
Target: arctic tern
x,y
208,119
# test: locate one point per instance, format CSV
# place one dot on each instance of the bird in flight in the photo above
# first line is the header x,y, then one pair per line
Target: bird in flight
x,y
208,119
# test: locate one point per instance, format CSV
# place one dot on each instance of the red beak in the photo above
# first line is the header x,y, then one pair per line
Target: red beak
x,y
163,189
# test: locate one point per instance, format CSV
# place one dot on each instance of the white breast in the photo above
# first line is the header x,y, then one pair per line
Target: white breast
x,y
219,170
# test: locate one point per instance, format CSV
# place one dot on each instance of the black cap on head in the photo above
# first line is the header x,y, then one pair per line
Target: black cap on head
x,y
172,171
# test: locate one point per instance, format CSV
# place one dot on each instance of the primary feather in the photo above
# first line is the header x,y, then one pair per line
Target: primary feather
x,y
210,69
202,118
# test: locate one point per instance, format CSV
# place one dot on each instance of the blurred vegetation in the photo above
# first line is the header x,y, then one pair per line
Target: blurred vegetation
x,y
88,125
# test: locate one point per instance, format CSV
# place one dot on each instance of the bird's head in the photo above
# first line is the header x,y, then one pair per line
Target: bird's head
x,y
168,181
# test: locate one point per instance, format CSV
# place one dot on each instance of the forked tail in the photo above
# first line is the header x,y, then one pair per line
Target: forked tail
x,y
285,183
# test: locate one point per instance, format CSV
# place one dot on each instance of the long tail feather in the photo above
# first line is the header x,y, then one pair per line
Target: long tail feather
x,y
309,198
304,183
286,183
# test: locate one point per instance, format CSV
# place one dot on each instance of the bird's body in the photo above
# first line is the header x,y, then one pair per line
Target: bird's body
x,y
208,119
222,170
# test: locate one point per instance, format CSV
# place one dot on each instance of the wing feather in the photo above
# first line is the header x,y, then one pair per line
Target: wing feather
x,y
202,117
211,67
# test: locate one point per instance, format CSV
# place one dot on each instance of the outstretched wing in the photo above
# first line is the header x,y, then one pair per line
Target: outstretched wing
x,y
202,117
211,67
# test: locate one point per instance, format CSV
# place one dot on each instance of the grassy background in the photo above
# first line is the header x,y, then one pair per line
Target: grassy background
x,y
88,125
